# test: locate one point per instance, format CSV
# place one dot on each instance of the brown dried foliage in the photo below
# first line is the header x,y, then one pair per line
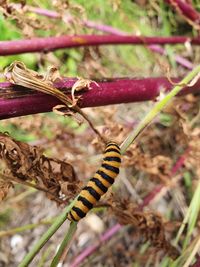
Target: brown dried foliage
x,y
149,225
27,24
70,18
27,165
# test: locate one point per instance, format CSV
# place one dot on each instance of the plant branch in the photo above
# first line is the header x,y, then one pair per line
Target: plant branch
x,y
108,29
179,59
65,243
46,44
20,101
46,236
197,263
187,10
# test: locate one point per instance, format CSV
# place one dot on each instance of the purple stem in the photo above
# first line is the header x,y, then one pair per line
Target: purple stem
x,y
180,162
156,48
109,29
44,12
52,43
197,263
107,92
89,250
181,60
104,28
87,23
117,227
186,9
150,196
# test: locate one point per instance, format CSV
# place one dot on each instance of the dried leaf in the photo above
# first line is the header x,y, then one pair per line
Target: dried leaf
x,y
19,74
149,224
28,164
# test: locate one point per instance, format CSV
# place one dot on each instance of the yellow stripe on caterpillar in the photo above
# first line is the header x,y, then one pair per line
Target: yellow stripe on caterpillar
x,y
99,184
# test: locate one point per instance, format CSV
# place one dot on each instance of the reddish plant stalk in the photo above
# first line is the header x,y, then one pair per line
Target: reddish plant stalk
x,y
181,60
41,11
18,101
111,30
88,23
155,48
104,28
53,43
197,263
117,227
186,9
180,162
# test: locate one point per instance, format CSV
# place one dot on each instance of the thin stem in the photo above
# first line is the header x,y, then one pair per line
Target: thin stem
x,y
46,236
92,248
197,263
64,244
156,109
190,218
108,29
179,59
186,10
46,44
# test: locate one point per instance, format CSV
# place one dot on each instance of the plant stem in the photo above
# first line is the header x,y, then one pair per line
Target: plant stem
x,y
190,217
46,236
65,242
93,247
197,263
186,10
46,44
108,29
19,101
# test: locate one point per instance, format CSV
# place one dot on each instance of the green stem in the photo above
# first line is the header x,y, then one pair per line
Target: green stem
x,y
190,218
64,244
156,109
46,236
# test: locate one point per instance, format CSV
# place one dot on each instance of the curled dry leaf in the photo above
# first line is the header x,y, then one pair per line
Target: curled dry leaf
x,y
19,74
149,224
79,85
27,164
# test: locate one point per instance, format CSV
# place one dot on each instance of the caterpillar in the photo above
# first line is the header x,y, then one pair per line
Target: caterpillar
x,y
98,184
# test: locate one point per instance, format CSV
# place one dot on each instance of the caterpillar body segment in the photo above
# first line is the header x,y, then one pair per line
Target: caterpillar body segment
x,y
98,184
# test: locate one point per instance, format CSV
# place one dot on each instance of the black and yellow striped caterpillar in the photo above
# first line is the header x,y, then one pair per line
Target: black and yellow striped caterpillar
x,y
99,184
